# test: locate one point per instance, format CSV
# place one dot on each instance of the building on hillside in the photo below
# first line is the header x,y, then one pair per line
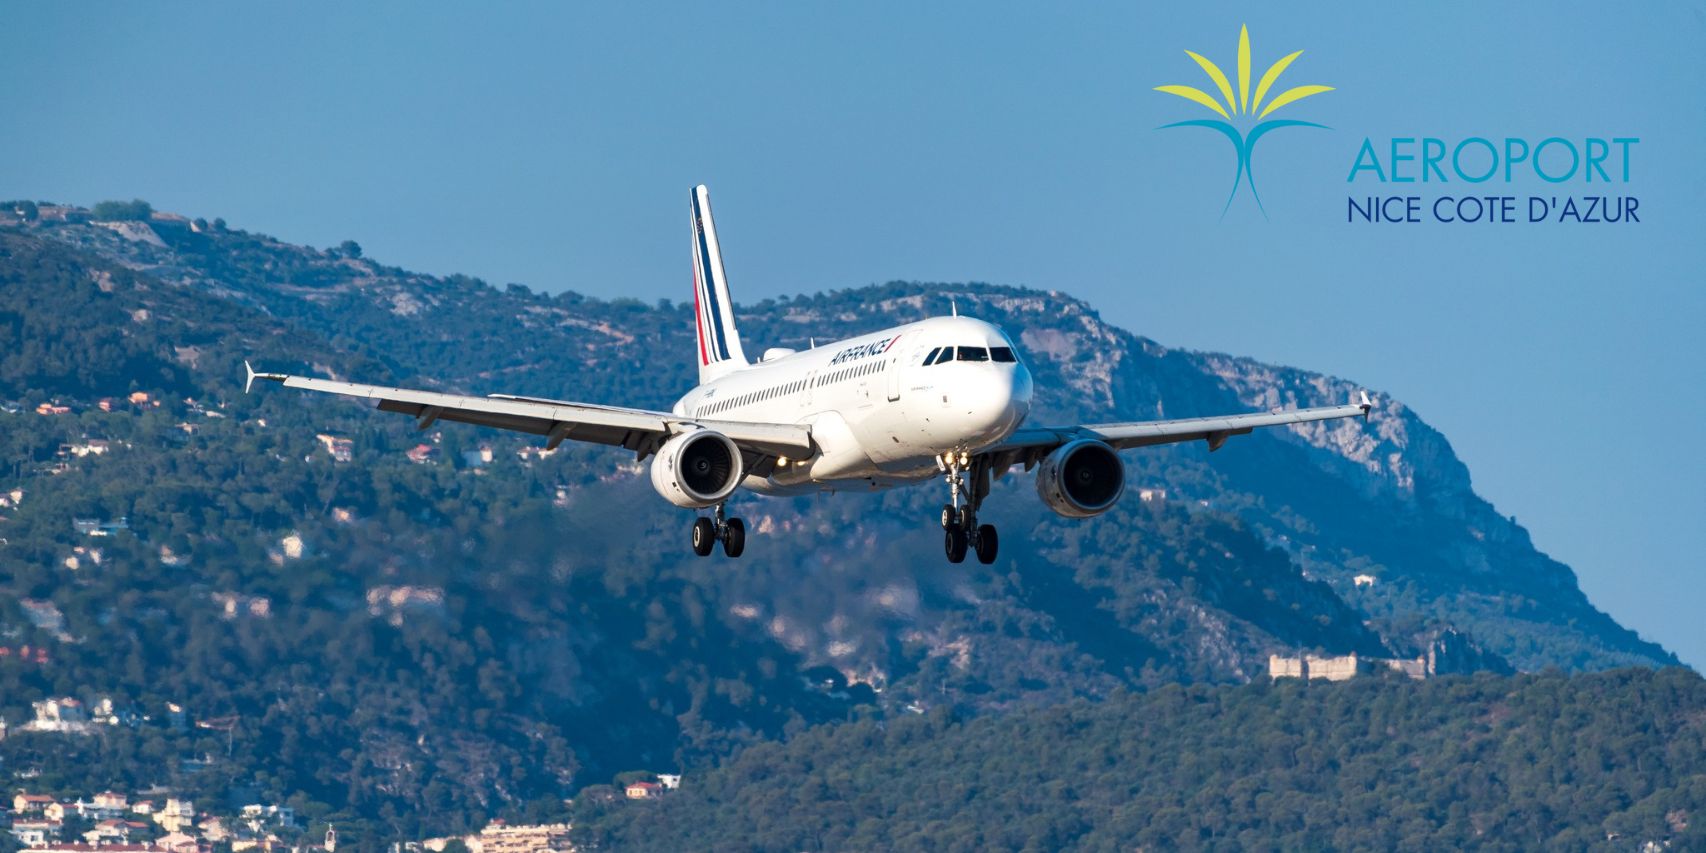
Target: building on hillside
x,y
340,448
421,454
96,527
498,837
115,802
1318,668
1153,494
57,847
27,804
88,447
178,842
114,831
670,781
64,715
257,816
178,815
214,830
392,602
1344,667
643,790
292,546
34,833
52,409
1363,580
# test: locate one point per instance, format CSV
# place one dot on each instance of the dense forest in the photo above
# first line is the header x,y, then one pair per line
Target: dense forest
x,y
1550,762
411,645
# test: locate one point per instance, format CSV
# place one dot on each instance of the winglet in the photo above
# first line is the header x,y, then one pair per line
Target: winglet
x,y
249,379
1366,403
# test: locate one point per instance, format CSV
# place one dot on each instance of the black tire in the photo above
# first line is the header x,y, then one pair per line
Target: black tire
x,y
734,540
704,537
987,544
967,519
948,516
954,542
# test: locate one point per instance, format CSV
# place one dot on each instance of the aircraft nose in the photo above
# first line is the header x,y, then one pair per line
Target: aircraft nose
x,y
1005,397
1018,396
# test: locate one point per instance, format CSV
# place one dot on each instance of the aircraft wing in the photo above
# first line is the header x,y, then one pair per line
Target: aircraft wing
x,y
1031,444
639,430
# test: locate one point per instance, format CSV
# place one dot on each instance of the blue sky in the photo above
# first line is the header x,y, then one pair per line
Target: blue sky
x,y
553,145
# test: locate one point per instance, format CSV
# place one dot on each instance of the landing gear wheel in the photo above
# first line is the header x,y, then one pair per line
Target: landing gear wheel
x,y
704,537
968,518
954,542
734,538
948,516
987,543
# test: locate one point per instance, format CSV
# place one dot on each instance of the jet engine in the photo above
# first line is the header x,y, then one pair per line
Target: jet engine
x,y
697,469
1081,478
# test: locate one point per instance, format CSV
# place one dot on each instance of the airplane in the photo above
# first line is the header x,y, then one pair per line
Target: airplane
x,y
942,397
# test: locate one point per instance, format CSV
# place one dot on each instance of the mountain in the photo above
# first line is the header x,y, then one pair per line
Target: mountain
x,y
415,646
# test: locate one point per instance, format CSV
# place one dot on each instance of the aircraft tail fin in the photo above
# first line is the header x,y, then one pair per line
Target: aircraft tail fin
x,y
719,342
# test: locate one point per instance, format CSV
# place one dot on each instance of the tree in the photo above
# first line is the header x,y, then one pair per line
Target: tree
x,y
349,249
135,210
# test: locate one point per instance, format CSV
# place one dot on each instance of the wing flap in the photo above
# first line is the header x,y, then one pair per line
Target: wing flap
x,y
636,429
1214,430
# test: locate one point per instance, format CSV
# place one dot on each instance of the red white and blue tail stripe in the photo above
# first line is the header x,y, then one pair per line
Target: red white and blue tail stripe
x,y
719,343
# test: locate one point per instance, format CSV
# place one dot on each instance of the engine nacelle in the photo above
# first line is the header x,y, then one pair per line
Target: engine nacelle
x,y
697,469
1081,478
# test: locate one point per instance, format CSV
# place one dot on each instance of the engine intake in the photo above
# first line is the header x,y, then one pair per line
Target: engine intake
x,y
1081,478
697,469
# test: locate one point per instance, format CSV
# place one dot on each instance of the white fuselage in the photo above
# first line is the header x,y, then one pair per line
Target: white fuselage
x,y
880,415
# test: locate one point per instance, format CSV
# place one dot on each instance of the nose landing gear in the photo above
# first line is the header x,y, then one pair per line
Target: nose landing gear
x,y
960,530
707,532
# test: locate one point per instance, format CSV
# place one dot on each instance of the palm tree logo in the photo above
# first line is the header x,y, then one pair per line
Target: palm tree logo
x,y
1245,108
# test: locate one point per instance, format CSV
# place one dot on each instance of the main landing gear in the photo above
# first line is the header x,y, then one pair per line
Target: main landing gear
x,y
707,532
960,530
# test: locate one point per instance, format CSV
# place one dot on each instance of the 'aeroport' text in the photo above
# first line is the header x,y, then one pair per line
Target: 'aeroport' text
x,y
1408,159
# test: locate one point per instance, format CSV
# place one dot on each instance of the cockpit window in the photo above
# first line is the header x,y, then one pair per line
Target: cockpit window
x,y
931,358
973,354
1001,354
947,354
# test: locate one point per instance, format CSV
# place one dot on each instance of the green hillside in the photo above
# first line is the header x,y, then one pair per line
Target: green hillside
x,y
1601,762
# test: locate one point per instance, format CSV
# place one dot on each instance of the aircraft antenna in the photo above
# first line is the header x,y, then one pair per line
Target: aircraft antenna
x,y
954,306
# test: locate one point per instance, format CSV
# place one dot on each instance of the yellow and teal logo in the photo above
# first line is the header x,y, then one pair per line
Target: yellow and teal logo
x,y
1243,117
